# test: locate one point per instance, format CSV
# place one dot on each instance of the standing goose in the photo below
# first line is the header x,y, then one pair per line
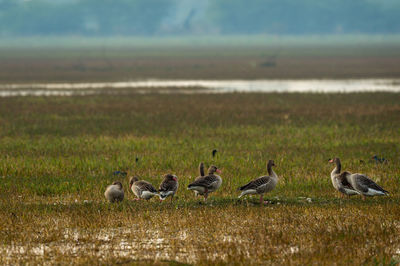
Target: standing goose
x,y
203,185
142,189
168,187
114,192
262,184
363,184
339,180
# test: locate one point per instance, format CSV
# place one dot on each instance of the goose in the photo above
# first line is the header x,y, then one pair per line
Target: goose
x,y
203,185
363,184
168,187
114,192
262,184
339,180
142,189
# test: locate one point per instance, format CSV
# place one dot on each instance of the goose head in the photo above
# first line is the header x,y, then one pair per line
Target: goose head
x,y
133,180
214,152
171,177
271,163
338,167
335,160
213,169
119,184
269,166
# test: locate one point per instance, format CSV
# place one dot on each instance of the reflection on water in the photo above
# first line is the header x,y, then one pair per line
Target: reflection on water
x,y
120,242
200,86
112,242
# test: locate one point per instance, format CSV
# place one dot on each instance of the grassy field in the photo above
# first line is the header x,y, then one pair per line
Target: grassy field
x,y
57,155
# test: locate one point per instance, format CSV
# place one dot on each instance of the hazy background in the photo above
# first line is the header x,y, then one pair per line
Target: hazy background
x,y
192,17
119,40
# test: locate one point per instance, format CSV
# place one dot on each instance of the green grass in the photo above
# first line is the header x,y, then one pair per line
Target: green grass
x,y
57,155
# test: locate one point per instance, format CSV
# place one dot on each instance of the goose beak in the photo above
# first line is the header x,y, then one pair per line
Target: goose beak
x,y
218,171
331,161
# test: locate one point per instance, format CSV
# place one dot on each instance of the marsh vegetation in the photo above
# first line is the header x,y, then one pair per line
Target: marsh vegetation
x,y
58,155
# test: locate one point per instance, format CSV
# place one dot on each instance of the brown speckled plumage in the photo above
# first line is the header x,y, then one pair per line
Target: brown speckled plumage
x,y
142,189
203,185
339,180
168,186
262,184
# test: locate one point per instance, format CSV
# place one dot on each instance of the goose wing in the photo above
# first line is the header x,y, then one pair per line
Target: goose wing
x,y
145,186
256,183
364,183
204,181
168,185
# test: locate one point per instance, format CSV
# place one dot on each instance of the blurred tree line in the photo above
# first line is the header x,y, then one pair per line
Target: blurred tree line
x,y
151,17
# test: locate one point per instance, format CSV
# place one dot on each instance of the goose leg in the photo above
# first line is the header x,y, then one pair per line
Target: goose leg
x,y
261,199
205,195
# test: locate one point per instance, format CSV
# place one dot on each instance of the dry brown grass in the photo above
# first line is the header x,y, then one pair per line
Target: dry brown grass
x,y
340,231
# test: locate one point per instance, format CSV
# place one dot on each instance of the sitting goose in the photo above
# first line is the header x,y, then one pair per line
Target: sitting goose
x,y
339,180
203,185
114,192
142,189
262,184
168,187
363,184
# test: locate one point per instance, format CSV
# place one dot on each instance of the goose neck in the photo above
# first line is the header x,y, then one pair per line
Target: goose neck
x,y
337,168
271,172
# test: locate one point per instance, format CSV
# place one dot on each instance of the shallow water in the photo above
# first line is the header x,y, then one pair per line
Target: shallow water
x,y
111,242
201,86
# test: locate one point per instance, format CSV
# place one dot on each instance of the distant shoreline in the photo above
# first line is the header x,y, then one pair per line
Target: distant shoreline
x,y
195,41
